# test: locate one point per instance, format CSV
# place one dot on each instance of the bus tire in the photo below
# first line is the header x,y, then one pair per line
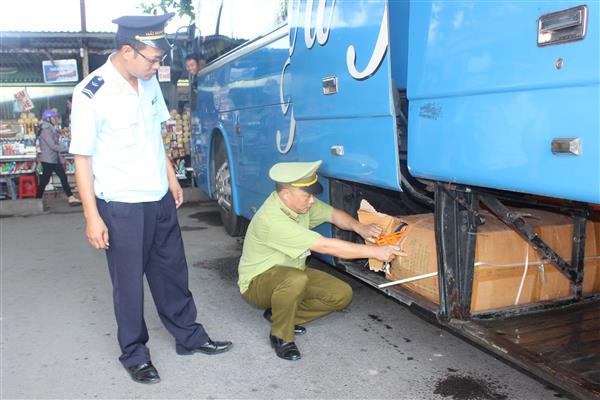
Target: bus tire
x,y
234,224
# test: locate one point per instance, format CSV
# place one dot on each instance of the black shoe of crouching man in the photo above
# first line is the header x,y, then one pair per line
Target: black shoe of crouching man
x,y
286,350
298,329
144,373
211,347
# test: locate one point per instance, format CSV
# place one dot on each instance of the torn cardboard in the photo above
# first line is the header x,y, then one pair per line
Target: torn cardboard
x,y
368,215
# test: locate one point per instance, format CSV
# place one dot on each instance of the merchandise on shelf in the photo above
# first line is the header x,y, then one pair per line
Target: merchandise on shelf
x,y
29,123
176,135
180,168
70,166
17,167
64,137
7,130
18,146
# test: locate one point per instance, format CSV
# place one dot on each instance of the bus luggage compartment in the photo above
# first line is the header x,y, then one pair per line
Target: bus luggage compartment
x,y
490,107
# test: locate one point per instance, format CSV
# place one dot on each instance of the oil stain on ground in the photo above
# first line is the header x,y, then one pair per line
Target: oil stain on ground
x,y
461,387
212,218
192,228
376,319
227,267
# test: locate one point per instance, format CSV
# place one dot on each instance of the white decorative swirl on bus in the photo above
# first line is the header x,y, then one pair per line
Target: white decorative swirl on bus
x,y
319,33
290,141
285,105
377,55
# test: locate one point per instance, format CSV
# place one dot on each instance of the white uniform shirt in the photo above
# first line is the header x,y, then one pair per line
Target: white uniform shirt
x,y
120,129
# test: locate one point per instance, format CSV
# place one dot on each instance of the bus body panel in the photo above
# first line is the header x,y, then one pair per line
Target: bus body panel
x,y
363,161
271,102
398,18
354,25
486,102
352,129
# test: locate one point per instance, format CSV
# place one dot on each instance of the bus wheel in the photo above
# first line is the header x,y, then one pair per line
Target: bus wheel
x,y
233,223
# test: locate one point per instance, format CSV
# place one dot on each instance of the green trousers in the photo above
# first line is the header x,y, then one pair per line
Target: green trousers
x,y
297,296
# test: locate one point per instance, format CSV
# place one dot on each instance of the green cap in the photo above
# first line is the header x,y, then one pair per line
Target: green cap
x,y
302,175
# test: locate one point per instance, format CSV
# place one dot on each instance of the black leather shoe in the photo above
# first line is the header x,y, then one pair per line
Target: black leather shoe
x,y
298,329
286,350
211,347
144,373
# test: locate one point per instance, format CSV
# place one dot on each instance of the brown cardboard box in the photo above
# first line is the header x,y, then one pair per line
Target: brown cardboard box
x,y
509,272
501,277
591,278
419,243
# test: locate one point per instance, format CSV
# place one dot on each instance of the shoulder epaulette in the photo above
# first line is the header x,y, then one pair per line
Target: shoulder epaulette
x,y
290,216
93,85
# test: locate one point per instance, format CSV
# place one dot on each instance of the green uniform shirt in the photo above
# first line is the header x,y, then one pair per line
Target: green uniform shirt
x,y
279,236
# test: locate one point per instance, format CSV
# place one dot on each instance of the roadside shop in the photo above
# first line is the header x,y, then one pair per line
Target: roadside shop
x,y
38,71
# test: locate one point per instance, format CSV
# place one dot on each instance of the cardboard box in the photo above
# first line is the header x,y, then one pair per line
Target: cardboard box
x,y
508,271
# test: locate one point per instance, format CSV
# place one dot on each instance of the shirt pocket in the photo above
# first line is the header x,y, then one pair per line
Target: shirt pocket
x,y
123,128
152,112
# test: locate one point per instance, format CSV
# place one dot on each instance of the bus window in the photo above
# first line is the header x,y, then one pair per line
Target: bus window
x,y
230,23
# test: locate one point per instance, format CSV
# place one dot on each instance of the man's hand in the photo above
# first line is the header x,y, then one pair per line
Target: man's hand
x,y
97,233
176,191
388,252
369,232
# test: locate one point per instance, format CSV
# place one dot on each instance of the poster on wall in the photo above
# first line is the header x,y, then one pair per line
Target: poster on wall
x,y
164,73
23,100
59,71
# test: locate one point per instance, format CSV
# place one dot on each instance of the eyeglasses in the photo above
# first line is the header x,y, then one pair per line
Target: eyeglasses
x,y
152,61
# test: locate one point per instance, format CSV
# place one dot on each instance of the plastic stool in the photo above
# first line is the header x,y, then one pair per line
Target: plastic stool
x,y
27,186
10,188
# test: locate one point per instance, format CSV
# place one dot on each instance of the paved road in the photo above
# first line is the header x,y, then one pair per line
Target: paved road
x,y
58,332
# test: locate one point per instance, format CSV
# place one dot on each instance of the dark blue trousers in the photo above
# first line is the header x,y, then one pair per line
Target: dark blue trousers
x,y
145,239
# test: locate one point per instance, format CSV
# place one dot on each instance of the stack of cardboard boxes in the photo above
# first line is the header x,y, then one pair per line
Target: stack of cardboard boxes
x,y
508,270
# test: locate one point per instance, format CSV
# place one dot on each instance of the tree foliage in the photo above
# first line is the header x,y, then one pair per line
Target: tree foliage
x,y
282,13
181,7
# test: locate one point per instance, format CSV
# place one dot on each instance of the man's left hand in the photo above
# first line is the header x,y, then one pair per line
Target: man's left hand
x,y
177,192
370,232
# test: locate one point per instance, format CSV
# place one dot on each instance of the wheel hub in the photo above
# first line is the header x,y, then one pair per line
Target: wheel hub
x,y
223,187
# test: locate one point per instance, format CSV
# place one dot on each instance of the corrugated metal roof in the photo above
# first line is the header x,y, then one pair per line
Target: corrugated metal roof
x,y
96,42
51,41
22,53
27,67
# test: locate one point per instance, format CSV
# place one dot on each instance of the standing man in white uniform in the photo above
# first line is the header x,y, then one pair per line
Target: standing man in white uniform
x,y
124,179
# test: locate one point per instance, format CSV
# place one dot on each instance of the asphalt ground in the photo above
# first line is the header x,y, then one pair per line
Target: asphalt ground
x,y
58,334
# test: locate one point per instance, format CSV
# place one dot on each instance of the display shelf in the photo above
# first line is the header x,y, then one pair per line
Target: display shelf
x,y
21,157
29,171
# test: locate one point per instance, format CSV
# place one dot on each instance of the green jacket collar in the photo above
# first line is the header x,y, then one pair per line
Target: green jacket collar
x,y
284,209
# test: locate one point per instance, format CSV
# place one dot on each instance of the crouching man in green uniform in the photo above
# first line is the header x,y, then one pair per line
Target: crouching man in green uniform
x,y
272,270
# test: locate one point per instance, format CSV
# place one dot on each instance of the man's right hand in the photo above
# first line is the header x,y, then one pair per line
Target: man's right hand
x,y
388,252
97,233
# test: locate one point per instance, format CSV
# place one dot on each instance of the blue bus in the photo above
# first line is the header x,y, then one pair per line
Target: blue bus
x,y
455,109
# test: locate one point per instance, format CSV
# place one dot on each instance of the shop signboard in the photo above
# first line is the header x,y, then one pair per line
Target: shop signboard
x,y
58,71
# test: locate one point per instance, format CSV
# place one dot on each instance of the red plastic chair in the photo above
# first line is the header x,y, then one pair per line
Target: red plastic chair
x,y
27,186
